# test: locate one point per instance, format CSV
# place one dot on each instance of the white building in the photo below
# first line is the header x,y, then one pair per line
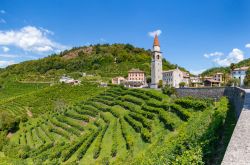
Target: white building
x,y
195,81
69,80
240,73
174,77
156,64
118,80
218,77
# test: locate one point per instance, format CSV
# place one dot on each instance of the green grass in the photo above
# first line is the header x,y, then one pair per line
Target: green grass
x,y
12,89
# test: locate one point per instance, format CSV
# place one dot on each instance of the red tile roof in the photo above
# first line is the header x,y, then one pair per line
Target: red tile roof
x,y
156,41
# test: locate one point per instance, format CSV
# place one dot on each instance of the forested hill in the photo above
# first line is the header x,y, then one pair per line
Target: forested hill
x,y
226,70
104,60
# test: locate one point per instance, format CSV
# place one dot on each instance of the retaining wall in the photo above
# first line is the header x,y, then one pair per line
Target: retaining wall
x,y
235,95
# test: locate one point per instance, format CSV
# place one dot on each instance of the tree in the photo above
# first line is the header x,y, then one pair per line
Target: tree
x,y
247,78
160,84
233,82
169,90
182,84
232,66
148,79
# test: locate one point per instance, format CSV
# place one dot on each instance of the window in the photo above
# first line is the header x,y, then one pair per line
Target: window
x,y
158,57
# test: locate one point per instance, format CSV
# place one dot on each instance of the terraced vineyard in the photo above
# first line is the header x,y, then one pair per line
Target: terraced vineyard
x,y
49,98
117,126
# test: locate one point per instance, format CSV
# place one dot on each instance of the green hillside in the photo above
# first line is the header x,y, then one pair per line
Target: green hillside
x,y
104,60
116,126
226,70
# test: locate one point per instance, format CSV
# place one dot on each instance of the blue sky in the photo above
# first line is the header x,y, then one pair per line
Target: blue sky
x,y
194,34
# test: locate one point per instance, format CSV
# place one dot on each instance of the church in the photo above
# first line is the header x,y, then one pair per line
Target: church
x,y
172,77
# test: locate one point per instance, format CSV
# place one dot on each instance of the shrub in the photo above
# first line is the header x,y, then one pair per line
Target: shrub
x,y
179,111
114,137
145,122
155,103
84,147
135,124
133,99
197,105
169,90
154,95
99,141
77,116
167,120
146,135
68,153
137,94
151,109
125,133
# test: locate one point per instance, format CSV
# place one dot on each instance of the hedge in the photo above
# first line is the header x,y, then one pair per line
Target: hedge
x,y
197,105
114,139
145,122
68,153
77,116
133,99
99,142
126,135
180,112
84,147
169,122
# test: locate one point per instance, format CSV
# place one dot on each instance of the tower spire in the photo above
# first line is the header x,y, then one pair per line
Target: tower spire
x,y
156,41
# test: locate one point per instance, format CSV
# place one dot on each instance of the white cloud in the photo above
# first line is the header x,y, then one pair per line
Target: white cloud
x,y
2,11
6,63
2,20
9,55
235,56
5,49
215,54
196,72
153,33
30,38
247,45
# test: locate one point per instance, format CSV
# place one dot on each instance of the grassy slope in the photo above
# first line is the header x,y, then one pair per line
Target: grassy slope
x,y
50,98
11,89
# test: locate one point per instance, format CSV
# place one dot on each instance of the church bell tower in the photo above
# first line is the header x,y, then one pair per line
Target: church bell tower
x,y
156,64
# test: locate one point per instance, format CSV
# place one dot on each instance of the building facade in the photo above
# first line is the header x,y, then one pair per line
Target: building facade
x,y
136,78
156,64
174,77
240,74
118,80
218,77
195,81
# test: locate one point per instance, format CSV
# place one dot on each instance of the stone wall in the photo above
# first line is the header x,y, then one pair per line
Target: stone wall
x,y
235,95
214,93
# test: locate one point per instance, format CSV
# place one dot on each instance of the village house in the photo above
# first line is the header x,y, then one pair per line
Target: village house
x,y
218,77
69,80
103,84
211,83
174,77
118,80
186,79
195,81
136,78
240,74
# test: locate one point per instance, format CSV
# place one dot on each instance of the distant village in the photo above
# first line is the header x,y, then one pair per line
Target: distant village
x,y
173,78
